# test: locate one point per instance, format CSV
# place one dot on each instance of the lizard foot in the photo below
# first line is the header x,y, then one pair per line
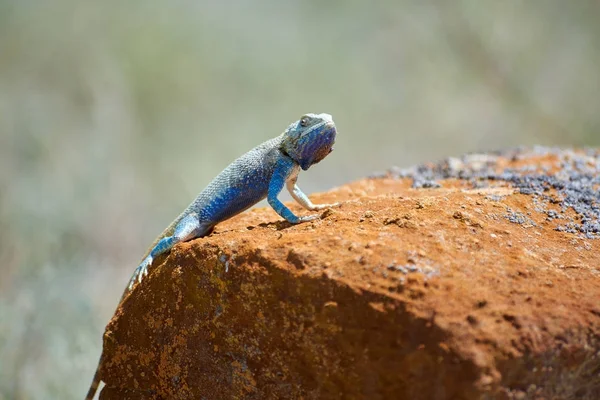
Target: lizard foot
x,y
318,207
141,271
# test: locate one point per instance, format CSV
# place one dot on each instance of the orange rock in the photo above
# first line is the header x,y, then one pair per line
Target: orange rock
x,y
453,292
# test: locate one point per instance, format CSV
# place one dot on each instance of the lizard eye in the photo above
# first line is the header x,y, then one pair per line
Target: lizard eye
x,y
304,121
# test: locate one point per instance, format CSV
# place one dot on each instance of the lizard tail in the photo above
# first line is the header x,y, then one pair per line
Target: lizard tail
x,y
95,383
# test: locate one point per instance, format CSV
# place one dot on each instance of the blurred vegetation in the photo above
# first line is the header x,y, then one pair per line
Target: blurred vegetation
x,y
113,115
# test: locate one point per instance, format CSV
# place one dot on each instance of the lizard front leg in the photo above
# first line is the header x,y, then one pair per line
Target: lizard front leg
x,y
302,198
283,170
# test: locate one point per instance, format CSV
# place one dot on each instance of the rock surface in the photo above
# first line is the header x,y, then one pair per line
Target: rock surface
x,y
478,277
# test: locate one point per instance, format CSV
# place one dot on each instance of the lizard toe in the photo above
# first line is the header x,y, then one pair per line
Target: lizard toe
x,y
309,218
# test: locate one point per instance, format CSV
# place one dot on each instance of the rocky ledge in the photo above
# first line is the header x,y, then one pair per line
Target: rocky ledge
x,y
478,277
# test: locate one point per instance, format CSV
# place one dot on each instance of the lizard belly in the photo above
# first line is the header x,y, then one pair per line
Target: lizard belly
x,y
230,202
231,194
241,185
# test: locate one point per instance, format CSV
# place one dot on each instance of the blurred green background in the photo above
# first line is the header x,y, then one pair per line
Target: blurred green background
x,y
114,115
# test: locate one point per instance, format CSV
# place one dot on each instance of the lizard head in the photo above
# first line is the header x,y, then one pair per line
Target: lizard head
x,y
310,139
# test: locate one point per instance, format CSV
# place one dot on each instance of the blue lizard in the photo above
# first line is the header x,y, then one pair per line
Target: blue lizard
x,y
260,173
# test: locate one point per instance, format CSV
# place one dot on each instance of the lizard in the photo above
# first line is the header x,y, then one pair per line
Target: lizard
x,y
258,174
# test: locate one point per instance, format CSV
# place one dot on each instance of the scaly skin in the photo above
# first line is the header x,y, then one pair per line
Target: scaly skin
x,y
260,173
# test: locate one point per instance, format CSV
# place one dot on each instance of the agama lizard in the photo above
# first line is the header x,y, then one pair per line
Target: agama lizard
x,y
261,172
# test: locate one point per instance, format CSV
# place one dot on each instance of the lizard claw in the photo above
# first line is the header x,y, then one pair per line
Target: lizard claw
x,y
324,206
308,218
318,207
